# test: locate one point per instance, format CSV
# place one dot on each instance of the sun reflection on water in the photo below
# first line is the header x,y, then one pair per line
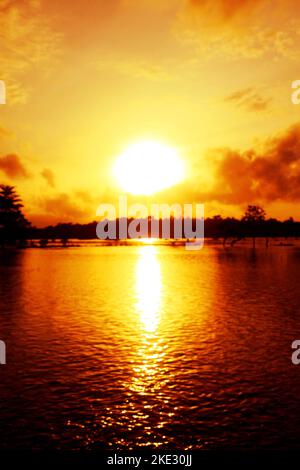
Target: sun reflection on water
x,y
146,409
148,287
151,349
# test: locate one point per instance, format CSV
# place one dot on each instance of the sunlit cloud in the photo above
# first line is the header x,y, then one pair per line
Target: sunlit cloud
x,y
53,206
135,68
27,44
240,28
249,99
48,175
268,174
12,167
226,9
62,206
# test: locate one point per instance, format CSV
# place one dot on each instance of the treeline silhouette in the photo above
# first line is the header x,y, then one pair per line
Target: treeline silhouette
x,y
229,230
16,230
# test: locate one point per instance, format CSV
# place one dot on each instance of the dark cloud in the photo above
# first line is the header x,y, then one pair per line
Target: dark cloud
x,y
270,175
48,175
249,99
12,166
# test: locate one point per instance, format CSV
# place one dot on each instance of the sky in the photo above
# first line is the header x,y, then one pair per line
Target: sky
x,y
209,78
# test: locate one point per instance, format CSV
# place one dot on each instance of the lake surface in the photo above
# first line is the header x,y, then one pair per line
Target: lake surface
x,y
126,347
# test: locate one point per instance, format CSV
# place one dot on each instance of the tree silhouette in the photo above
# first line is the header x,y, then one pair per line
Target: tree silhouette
x,y
253,220
13,223
254,214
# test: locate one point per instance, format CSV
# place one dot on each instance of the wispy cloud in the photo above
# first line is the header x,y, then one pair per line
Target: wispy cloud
x,y
27,43
249,99
227,9
135,68
48,176
241,28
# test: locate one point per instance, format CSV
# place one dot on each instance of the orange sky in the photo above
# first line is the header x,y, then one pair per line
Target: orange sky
x,y
211,78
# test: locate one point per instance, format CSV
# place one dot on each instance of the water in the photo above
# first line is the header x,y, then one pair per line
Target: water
x,y
126,347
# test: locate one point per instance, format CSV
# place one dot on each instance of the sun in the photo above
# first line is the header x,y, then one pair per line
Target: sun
x,y
147,167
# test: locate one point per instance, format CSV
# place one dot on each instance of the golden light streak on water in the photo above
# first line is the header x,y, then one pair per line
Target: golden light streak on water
x,y
151,349
148,287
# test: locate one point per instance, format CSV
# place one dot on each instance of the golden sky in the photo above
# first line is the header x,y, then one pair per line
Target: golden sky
x,y
210,78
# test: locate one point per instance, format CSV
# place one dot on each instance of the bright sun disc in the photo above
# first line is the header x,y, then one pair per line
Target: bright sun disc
x,y
148,167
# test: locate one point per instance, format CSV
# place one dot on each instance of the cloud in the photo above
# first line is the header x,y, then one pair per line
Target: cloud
x,y
12,166
269,175
240,28
77,206
48,175
27,43
136,69
249,99
62,207
228,9
85,196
